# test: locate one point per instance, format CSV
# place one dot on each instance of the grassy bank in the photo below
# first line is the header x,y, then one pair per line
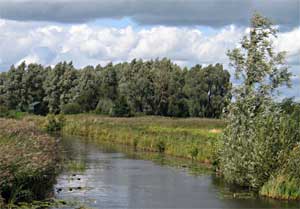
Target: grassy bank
x,y
192,138
28,162
285,184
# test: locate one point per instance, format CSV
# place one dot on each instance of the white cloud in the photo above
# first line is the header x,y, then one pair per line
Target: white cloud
x,y
290,42
85,44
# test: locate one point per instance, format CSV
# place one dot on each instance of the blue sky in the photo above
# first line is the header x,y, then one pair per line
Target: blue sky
x,y
100,31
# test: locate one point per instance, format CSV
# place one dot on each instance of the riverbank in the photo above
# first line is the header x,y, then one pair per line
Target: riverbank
x,y
191,138
28,162
195,139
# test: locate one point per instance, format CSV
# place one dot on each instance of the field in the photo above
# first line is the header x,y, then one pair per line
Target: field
x,y
192,138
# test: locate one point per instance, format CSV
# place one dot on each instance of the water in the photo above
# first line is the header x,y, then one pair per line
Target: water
x,y
112,178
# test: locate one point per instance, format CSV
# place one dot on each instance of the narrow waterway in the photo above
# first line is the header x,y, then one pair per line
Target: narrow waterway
x,y
102,176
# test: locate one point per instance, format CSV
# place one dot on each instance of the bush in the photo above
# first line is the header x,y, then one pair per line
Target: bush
x,y
54,123
104,106
160,146
257,147
285,184
71,108
121,108
4,112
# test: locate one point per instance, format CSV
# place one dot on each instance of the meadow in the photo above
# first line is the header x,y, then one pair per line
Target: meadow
x,y
190,138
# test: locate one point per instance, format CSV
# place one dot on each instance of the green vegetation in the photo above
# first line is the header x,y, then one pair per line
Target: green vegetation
x,y
76,166
28,162
261,135
155,87
54,123
6,113
258,150
285,184
188,138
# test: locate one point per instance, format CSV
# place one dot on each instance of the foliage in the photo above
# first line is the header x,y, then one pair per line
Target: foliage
x,y
27,161
285,184
71,108
258,135
54,123
104,106
4,112
154,87
120,108
58,86
208,90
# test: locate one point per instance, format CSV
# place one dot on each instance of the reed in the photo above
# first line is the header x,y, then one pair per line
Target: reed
x,y
191,138
28,162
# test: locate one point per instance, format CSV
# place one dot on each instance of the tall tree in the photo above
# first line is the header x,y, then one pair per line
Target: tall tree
x,y
33,81
58,85
253,142
86,92
15,89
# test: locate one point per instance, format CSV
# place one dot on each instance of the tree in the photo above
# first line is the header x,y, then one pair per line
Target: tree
x,y
257,134
86,92
154,87
14,88
136,84
2,88
109,82
33,81
58,85
208,90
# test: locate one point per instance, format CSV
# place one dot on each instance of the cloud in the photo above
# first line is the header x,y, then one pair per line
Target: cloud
x,y
88,44
215,13
290,42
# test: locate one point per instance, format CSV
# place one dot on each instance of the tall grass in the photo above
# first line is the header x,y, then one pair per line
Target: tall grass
x,y
188,138
28,161
285,184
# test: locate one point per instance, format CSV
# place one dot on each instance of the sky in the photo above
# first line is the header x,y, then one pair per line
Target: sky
x,y
189,32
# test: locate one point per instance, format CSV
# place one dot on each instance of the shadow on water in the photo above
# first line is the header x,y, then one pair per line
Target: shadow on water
x,y
108,176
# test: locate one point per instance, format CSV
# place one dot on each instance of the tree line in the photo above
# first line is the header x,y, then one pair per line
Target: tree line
x,y
155,87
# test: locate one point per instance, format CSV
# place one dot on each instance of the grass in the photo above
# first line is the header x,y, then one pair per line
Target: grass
x,y
285,184
75,166
28,162
191,138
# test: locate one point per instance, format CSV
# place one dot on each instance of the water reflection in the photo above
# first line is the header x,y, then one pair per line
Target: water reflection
x,y
116,177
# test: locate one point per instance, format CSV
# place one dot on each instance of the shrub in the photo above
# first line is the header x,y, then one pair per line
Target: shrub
x,y
194,151
160,146
285,183
258,147
54,123
4,112
121,108
104,106
71,108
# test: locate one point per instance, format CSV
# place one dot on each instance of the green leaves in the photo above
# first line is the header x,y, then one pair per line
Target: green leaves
x,y
258,134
